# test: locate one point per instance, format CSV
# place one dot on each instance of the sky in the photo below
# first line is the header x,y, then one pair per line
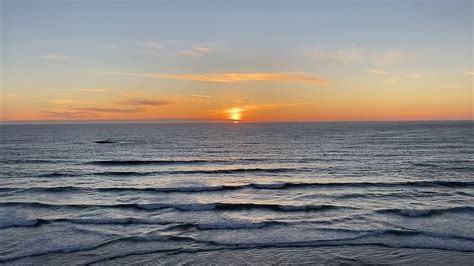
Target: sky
x,y
236,60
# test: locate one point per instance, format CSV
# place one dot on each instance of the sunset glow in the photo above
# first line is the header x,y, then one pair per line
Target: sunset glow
x,y
236,132
235,114
290,68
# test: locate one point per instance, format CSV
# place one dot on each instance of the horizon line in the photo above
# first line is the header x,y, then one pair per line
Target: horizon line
x,y
204,121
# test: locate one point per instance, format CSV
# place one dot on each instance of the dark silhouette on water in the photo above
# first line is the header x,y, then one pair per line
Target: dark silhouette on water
x,y
104,141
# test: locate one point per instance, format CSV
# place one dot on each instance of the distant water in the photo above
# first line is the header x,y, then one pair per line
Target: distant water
x,y
398,192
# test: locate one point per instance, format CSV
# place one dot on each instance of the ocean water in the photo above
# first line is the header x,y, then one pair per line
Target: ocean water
x,y
385,192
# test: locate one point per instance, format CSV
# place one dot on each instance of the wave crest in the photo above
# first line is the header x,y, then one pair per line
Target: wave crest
x,y
426,212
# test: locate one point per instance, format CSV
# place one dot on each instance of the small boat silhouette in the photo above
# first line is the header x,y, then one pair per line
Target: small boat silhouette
x,y
104,141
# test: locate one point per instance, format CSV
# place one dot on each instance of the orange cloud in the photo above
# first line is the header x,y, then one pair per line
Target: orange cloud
x,y
107,110
81,90
231,77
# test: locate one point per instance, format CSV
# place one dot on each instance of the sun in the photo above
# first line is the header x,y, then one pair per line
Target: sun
x,y
235,114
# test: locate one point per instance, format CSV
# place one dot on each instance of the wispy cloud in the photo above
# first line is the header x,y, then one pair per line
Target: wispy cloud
x,y
345,55
107,110
65,108
394,77
56,57
81,90
87,112
355,55
64,102
152,48
201,96
376,71
386,58
196,50
151,45
145,102
469,73
66,114
269,106
231,77
406,75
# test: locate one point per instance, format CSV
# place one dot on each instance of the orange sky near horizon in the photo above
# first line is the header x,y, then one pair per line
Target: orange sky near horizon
x,y
315,61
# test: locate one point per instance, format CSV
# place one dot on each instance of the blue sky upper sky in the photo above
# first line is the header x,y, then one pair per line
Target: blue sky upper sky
x,y
289,59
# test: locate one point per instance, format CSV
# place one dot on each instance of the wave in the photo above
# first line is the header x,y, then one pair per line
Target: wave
x,y
124,173
33,161
167,162
210,172
148,162
177,172
239,170
60,174
275,185
395,238
221,225
455,165
200,161
384,238
426,212
20,222
7,222
118,189
185,206
218,225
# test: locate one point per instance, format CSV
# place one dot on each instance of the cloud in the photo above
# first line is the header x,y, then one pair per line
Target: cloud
x,y
145,102
354,55
386,58
81,90
201,96
151,45
469,73
64,102
231,77
66,114
377,71
269,106
107,110
245,77
92,90
395,77
195,51
405,75
56,57
345,55
141,47
87,112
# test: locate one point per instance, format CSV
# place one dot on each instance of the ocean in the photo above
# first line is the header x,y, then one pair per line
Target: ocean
x,y
248,193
